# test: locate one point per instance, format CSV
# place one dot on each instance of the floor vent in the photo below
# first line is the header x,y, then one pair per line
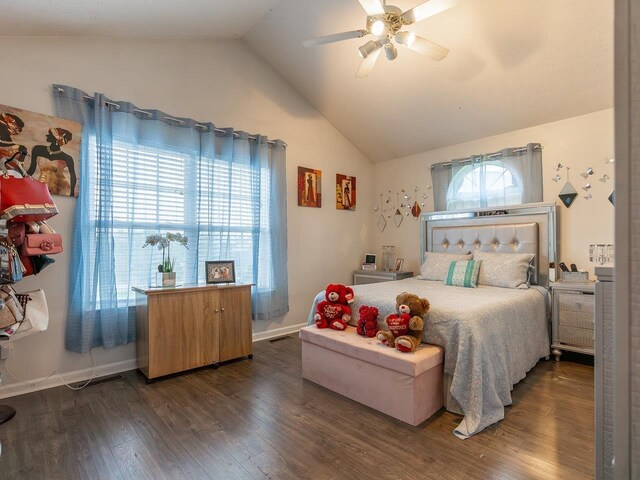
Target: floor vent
x,y
274,340
99,381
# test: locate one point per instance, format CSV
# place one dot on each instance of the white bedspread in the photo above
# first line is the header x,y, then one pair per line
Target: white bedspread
x,y
491,337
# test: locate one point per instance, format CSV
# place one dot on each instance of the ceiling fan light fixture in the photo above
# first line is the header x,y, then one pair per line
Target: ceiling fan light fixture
x,y
368,48
390,51
378,28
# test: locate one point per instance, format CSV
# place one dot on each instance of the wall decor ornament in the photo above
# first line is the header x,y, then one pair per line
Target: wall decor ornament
x,y
309,187
568,194
587,173
345,192
52,143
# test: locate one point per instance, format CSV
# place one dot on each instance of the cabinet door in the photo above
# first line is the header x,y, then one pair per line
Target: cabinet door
x,y
235,323
183,331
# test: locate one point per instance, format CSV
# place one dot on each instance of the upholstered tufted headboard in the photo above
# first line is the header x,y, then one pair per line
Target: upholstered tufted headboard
x,y
509,238
518,229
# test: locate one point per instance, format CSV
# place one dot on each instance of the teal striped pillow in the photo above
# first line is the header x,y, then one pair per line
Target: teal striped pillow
x,y
463,273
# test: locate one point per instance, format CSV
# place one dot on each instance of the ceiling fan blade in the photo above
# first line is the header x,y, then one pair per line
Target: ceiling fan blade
x,y
426,10
372,7
422,45
336,37
367,64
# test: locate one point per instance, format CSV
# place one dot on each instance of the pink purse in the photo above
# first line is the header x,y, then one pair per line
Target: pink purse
x,y
42,244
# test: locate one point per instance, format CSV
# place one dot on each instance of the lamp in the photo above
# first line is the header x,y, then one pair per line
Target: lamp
x,y
390,51
378,27
368,48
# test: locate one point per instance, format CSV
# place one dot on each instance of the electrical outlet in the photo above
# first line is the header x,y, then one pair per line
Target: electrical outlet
x,y
5,351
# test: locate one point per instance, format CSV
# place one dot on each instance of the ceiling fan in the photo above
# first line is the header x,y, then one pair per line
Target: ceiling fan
x,y
386,22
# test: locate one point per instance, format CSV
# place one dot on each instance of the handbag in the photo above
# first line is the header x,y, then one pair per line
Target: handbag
x,y
36,317
24,199
42,244
11,309
10,266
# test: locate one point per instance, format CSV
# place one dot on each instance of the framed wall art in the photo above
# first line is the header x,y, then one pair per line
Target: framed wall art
x,y
345,192
309,187
223,271
52,143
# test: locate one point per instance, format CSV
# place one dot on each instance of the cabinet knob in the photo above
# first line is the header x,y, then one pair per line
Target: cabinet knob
x,y
222,309
578,304
216,310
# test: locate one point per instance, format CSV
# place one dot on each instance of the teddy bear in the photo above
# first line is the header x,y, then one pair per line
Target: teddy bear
x,y
405,327
334,311
368,321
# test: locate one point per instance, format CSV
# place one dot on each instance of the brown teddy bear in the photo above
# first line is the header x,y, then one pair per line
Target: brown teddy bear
x,y
405,328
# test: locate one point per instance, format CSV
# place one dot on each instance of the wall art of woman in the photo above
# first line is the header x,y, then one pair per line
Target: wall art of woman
x,y
52,162
10,125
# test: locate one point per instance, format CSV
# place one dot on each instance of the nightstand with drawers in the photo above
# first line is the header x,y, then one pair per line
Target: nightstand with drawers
x,y
362,277
573,317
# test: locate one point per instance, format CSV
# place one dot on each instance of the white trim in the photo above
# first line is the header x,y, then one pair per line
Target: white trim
x,y
277,332
18,388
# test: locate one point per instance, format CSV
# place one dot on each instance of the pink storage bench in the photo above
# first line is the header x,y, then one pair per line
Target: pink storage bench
x,y
406,386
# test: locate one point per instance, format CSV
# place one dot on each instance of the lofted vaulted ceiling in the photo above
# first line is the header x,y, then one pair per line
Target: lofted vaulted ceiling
x,y
132,18
512,64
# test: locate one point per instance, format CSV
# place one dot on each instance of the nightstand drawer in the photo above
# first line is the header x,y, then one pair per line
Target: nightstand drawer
x,y
576,302
570,318
582,337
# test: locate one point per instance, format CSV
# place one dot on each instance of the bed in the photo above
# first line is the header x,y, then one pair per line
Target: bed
x,y
491,336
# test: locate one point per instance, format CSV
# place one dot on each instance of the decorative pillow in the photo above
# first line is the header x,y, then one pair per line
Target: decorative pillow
x,y
463,274
509,270
436,264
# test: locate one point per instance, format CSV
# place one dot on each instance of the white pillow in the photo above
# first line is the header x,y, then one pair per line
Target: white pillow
x,y
509,270
436,264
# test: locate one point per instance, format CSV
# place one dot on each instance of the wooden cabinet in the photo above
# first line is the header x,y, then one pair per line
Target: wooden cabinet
x,y
181,328
573,318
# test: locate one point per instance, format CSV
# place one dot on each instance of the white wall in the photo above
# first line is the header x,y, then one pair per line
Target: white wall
x,y
223,82
579,142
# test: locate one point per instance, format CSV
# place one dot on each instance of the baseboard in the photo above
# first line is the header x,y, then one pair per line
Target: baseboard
x,y
277,332
34,385
15,389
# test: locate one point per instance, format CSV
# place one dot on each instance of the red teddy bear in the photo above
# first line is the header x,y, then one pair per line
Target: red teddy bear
x,y
334,312
368,321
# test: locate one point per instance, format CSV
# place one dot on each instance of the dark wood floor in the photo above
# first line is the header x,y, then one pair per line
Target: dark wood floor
x,y
258,419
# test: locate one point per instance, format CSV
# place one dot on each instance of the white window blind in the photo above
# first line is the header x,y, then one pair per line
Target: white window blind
x,y
213,202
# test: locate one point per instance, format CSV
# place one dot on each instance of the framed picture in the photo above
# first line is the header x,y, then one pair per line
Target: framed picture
x,y
309,187
398,265
223,271
53,145
345,192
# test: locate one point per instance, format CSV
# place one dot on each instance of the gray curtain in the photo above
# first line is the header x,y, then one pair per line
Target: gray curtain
x,y
511,176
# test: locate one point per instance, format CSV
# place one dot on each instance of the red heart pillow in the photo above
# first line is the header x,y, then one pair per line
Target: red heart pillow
x,y
398,324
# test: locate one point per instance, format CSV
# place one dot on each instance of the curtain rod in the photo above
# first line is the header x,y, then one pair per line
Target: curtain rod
x,y
199,126
464,161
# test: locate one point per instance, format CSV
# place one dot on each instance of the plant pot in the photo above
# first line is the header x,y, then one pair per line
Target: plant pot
x,y
168,279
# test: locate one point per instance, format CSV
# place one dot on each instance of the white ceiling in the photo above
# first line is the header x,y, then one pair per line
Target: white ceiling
x,y
512,64
137,18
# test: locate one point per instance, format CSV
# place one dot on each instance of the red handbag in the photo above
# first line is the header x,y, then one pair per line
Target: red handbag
x,y
24,199
42,244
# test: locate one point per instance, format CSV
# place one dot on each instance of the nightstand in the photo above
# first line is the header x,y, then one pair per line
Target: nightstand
x,y
572,317
362,277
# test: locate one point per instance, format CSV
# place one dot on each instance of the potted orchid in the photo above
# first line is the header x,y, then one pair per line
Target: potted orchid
x,y
163,242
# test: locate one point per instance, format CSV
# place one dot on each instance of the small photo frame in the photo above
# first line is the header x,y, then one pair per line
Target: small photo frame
x,y
369,258
398,265
223,271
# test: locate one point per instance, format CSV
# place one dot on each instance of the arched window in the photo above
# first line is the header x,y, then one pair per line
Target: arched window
x,y
484,184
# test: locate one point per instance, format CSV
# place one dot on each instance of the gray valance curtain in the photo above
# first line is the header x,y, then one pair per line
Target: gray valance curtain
x,y
511,176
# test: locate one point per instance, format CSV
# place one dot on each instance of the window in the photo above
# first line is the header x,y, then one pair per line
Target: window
x,y
211,201
485,184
